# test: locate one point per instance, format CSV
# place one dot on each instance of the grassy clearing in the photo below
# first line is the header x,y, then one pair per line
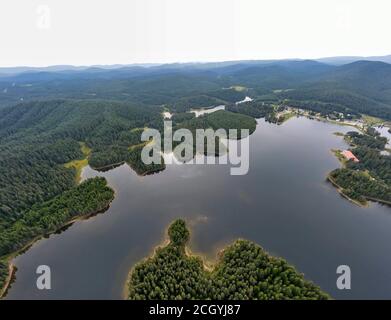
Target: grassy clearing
x,y
78,165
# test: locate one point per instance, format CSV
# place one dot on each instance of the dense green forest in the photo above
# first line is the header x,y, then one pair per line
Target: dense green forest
x,y
372,141
360,186
38,193
38,138
255,109
379,165
179,117
91,196
245,271
370,178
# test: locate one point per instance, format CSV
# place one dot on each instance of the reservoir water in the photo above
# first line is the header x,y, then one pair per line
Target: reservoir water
x,y
284,204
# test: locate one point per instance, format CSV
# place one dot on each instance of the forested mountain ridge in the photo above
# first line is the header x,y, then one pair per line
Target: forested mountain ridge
x,y
369,79
363,86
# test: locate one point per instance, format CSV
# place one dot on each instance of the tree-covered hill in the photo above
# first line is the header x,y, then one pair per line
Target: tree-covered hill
x,y
245,271
368,78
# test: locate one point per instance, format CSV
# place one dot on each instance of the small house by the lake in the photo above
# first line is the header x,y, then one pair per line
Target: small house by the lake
x,y
350,156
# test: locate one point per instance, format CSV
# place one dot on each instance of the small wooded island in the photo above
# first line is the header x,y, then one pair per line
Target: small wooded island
x,y
244,271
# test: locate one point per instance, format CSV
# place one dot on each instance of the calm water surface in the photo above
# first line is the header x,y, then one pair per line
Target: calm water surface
x,y
284,204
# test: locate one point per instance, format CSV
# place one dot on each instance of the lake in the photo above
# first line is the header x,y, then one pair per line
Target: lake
x,y
284,204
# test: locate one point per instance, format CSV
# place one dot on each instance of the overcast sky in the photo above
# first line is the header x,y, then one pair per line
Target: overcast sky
x,y
87,32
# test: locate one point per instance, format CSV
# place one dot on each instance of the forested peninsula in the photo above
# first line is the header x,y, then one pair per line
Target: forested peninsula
x,y
244,271
90,197
368,178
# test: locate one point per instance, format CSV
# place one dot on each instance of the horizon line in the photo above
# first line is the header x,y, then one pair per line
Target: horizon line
x,y
192,62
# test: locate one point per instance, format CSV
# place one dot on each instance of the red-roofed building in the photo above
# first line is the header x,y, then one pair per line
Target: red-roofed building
x,y
350,156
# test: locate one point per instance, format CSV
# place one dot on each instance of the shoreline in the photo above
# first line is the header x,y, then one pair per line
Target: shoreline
x,y
340,191
118,164
367,198
165,242
207,265
11,274
8,258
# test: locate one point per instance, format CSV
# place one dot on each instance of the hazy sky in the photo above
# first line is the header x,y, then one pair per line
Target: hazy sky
x,y
86,32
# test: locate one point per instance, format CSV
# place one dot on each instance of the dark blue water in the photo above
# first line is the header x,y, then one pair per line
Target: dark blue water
x,y
284,204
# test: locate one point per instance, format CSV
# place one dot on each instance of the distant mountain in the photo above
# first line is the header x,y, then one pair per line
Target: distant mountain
x,y
369,78
337,61
280,74
345,60
7,71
